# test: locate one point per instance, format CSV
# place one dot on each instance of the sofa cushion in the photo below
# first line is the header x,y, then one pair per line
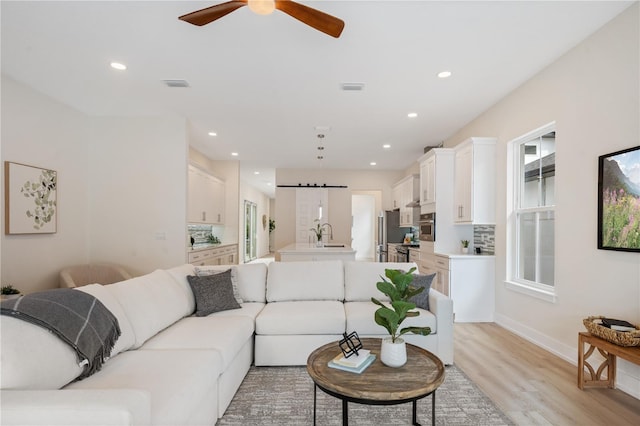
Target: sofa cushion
x,y
421,280
301,317
177,380
293,281
31,357
227,335
213,293
152,302
179,274
252,282
127,337
360,319
247,309
360,279
203,271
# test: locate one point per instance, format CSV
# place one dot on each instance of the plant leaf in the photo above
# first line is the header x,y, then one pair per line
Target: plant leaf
x,y
422,331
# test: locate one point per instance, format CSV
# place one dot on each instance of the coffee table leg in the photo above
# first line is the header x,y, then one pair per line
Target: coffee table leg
x,y
314,403
433,408
345,413
414,419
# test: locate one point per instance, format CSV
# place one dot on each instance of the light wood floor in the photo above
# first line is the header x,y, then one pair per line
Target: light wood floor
x,y
533,386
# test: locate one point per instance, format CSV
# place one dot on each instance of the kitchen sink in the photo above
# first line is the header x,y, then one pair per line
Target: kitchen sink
x,y
334,245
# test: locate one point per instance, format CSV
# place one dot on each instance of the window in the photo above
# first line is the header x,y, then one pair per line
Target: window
x,y
532,225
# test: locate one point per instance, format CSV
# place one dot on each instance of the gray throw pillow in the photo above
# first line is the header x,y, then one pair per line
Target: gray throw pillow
x,y
422,300
213,293
203,271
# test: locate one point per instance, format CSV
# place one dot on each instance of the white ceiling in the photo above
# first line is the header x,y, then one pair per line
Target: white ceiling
x,y
264,83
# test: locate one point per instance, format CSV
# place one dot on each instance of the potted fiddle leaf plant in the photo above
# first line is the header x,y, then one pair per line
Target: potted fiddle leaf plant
x,y
397,286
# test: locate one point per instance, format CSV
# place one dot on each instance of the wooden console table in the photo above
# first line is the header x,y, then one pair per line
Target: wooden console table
x,y
609,351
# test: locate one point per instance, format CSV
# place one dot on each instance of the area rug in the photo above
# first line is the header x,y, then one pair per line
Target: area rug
x,y
284,396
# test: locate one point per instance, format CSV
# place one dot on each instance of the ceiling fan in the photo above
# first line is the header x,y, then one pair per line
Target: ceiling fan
x,y
314,18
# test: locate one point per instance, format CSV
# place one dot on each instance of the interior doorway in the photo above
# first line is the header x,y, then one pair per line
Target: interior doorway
x,y
250,230
363,226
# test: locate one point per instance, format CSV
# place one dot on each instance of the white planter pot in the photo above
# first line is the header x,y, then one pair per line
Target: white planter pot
x,y
393,354
464,250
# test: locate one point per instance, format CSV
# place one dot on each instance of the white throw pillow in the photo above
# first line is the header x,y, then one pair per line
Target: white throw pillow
x,y
31,357
127,337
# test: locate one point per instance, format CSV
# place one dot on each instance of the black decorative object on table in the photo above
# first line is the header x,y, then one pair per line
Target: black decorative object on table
x,y
351,344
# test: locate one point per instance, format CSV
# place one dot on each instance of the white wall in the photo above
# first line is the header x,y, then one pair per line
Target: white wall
x,y
138,197
339,198
40,131
592,95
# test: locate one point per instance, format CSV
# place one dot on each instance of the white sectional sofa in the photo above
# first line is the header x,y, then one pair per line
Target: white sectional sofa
x,y
169,367
313,303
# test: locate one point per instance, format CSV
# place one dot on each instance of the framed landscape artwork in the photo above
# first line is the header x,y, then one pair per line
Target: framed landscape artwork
x,y
619,200
30,199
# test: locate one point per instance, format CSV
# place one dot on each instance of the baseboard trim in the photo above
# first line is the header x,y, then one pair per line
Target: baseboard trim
x,y
627,379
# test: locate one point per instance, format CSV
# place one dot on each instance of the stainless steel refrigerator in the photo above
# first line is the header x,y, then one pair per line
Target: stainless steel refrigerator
x,y
389,231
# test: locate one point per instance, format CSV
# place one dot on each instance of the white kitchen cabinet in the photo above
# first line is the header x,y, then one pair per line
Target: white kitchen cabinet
x,y
432,264
392,256
428,179
475,181
405,192
206,197
220,255
396,195
471,282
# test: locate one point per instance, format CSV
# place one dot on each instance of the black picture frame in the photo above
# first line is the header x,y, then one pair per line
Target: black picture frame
x,y
619,200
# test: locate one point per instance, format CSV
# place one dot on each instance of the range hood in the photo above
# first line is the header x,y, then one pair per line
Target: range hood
x,y
414,203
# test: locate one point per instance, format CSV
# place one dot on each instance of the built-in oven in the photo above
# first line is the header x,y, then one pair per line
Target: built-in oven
x,y
427,225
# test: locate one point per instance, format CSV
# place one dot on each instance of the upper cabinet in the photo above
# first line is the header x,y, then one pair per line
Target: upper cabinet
x,y
206,197
475,181
428,178
405,193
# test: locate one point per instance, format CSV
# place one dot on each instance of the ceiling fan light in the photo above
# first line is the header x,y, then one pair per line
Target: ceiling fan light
x,y
262,7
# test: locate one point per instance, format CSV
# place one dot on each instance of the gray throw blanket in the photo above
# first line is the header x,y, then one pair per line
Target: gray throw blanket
x,y
74,316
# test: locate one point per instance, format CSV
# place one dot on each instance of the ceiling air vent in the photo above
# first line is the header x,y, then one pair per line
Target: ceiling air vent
x,y
176,83
352,87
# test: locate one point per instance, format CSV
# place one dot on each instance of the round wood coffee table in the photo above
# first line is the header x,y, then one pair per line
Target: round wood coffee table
x,y
378,384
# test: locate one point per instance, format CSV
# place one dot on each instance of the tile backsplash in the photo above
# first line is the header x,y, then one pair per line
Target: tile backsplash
x,y
200,233
484,236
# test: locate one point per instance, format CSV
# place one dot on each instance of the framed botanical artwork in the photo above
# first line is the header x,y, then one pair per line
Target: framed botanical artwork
x,y
619,200
30,199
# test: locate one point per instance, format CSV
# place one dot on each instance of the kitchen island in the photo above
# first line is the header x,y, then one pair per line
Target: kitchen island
x,y
300,252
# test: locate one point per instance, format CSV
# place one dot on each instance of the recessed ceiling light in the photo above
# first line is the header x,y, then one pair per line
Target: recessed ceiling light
x,y
213,134
386,146
444,74
235,154
118,66
256,173
412,115
373,163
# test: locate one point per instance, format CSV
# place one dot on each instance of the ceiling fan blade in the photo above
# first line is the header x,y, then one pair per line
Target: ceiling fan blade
x,y
210,14
314,18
